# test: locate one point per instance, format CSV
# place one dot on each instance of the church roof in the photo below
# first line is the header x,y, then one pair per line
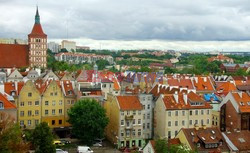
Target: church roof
x,y
37,30
14,55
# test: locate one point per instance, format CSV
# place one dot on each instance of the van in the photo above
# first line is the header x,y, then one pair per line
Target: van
x,y
84,149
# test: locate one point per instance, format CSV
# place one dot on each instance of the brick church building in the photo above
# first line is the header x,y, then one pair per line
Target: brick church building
x,y
33,54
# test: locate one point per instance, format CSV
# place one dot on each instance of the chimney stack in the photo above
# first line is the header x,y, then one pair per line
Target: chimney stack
x,y
185,98
176,97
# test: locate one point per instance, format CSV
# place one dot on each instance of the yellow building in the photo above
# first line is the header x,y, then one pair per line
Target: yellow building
x,y
29,106
53,105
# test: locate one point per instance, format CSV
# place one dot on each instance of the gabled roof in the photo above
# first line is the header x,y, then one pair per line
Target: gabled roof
x,y
9,87
6,103
182,83
225,87
243,101
178,101
68,88
240,140
129,103
203,84
14,55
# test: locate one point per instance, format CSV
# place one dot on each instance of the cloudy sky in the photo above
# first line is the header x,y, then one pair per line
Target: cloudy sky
x,y
200,25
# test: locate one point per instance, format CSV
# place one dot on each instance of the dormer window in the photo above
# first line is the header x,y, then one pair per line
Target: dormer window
x,y
13,93
1,105
241,103
198,145
70,92
248,103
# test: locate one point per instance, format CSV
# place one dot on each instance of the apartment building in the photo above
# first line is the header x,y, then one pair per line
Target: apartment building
x,y
180,110
125,126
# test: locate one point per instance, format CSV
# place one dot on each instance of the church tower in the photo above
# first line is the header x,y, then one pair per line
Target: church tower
x,y
37,41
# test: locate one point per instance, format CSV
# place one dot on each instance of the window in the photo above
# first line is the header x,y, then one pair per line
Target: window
x,y
208,112
128,113
29,103
53,122
46,112
60,111
55,93
36,103
122,122
169,134
176,113
133,121
122,134
21,113
22,104
29,113
60,102
190,113
122,113
176,123
21,123
190,122
29,94
202,112
139,112
46,103
68,101
51,94
127,123
176,132
139,121
148,116
139,132
134,112
53,103
133,132
149,98
60,122
148,106
169,123
72,102
207,121
148,125
202,122
143,125
169,113
196,122
53,111
183,113
36,122
29,122
196,112
143,106
183,123
36,112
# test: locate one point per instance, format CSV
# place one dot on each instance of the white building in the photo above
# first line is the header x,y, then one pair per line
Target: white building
x,y
54,47
69,45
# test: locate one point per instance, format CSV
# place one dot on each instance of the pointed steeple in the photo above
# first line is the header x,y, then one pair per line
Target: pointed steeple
x,y
37,17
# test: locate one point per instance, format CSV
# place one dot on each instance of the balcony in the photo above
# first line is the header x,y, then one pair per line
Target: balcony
x,y
129,117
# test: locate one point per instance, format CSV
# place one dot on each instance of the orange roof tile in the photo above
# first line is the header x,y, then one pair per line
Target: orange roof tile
x,y
14,55
243,101
129,103
6,103
9,87
203,84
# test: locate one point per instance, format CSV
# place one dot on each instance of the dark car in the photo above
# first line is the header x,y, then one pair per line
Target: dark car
x,y
65,141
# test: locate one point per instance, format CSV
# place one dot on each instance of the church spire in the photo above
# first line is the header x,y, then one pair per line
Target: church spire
x,y
37,17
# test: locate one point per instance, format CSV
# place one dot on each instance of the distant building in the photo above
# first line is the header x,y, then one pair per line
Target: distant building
x,y
76,58
221,58
232,68
54,47
69,45
83,47
12,41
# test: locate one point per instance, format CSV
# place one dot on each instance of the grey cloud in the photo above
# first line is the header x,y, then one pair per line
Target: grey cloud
x,y
131,20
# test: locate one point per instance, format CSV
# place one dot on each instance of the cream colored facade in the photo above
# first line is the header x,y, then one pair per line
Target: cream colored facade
x,y
29,106
169,122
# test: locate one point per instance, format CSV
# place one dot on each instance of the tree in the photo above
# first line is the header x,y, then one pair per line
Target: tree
x,y
101,64
11,136
161,146
169,70
88,120
42,139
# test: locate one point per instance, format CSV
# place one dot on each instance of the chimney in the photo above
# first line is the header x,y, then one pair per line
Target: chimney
x,y
185,98
176,97
205,79
162,96
240,94
196,79
16,85
38,70
8,72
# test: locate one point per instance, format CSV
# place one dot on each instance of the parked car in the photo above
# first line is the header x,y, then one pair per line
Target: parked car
x,y
61,151
58,142
84,149
97,144
65,141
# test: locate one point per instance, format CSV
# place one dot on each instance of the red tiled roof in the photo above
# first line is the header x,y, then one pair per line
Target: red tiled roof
x,y
14,55
225,87
203,84
68,88
242,101
129,103
171,103
6,103
183,83
37,31
235,138
11,86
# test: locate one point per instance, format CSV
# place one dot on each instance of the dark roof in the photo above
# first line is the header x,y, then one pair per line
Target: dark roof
x,y
14,55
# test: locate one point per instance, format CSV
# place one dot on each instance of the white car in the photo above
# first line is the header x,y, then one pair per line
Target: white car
x,y
97,144
84,149
61,151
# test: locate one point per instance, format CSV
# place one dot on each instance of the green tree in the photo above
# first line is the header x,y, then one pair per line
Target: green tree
x,y
42,139
11,136
161,146
101,64
240,72
88,120
169,70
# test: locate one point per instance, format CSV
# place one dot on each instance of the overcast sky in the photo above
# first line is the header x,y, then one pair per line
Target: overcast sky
x,y
160,24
